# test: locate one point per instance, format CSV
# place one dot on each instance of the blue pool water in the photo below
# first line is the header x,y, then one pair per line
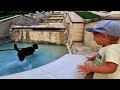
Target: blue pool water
x,y
9,62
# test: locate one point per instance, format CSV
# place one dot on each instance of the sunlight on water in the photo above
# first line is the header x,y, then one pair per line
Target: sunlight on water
x,y
9,62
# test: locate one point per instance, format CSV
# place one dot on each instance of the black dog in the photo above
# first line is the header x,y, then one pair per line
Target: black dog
x,y
25,51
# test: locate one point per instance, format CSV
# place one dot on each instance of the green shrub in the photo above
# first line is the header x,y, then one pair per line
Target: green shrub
x,y
6,14
3,17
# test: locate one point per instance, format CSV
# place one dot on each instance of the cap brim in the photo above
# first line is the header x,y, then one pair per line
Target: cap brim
x,y
90,30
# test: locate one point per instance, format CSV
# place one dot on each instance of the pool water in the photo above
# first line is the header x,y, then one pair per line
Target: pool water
x,y
10,63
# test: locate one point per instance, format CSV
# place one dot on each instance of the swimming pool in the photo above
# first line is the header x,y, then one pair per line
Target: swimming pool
x,y
9,62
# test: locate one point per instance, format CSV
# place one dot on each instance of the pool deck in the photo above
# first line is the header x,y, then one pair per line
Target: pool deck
x,y
62,68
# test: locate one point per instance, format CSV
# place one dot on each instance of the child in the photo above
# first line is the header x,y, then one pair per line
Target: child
x,y
107,61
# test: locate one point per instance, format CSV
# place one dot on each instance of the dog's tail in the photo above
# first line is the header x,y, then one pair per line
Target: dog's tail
x,y
15,47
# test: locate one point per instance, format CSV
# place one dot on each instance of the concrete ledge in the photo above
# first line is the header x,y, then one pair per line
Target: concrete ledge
x,y
53,18
101,14
63,68
9,18
42,25
75,18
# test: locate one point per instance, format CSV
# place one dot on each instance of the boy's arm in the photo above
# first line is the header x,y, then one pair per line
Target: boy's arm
x,y
109,67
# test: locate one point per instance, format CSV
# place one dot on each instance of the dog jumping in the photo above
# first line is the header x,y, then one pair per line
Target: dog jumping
x,y
25,51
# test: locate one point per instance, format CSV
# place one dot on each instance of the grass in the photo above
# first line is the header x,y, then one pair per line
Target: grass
x,y
87,15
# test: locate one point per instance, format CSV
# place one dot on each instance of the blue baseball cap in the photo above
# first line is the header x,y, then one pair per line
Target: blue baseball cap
x,y
109,27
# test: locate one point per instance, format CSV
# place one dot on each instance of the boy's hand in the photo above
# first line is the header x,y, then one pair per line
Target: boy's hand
x,y
91,58
84,68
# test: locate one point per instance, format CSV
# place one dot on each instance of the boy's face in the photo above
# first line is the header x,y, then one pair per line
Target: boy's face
x,y
97,38
101,39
